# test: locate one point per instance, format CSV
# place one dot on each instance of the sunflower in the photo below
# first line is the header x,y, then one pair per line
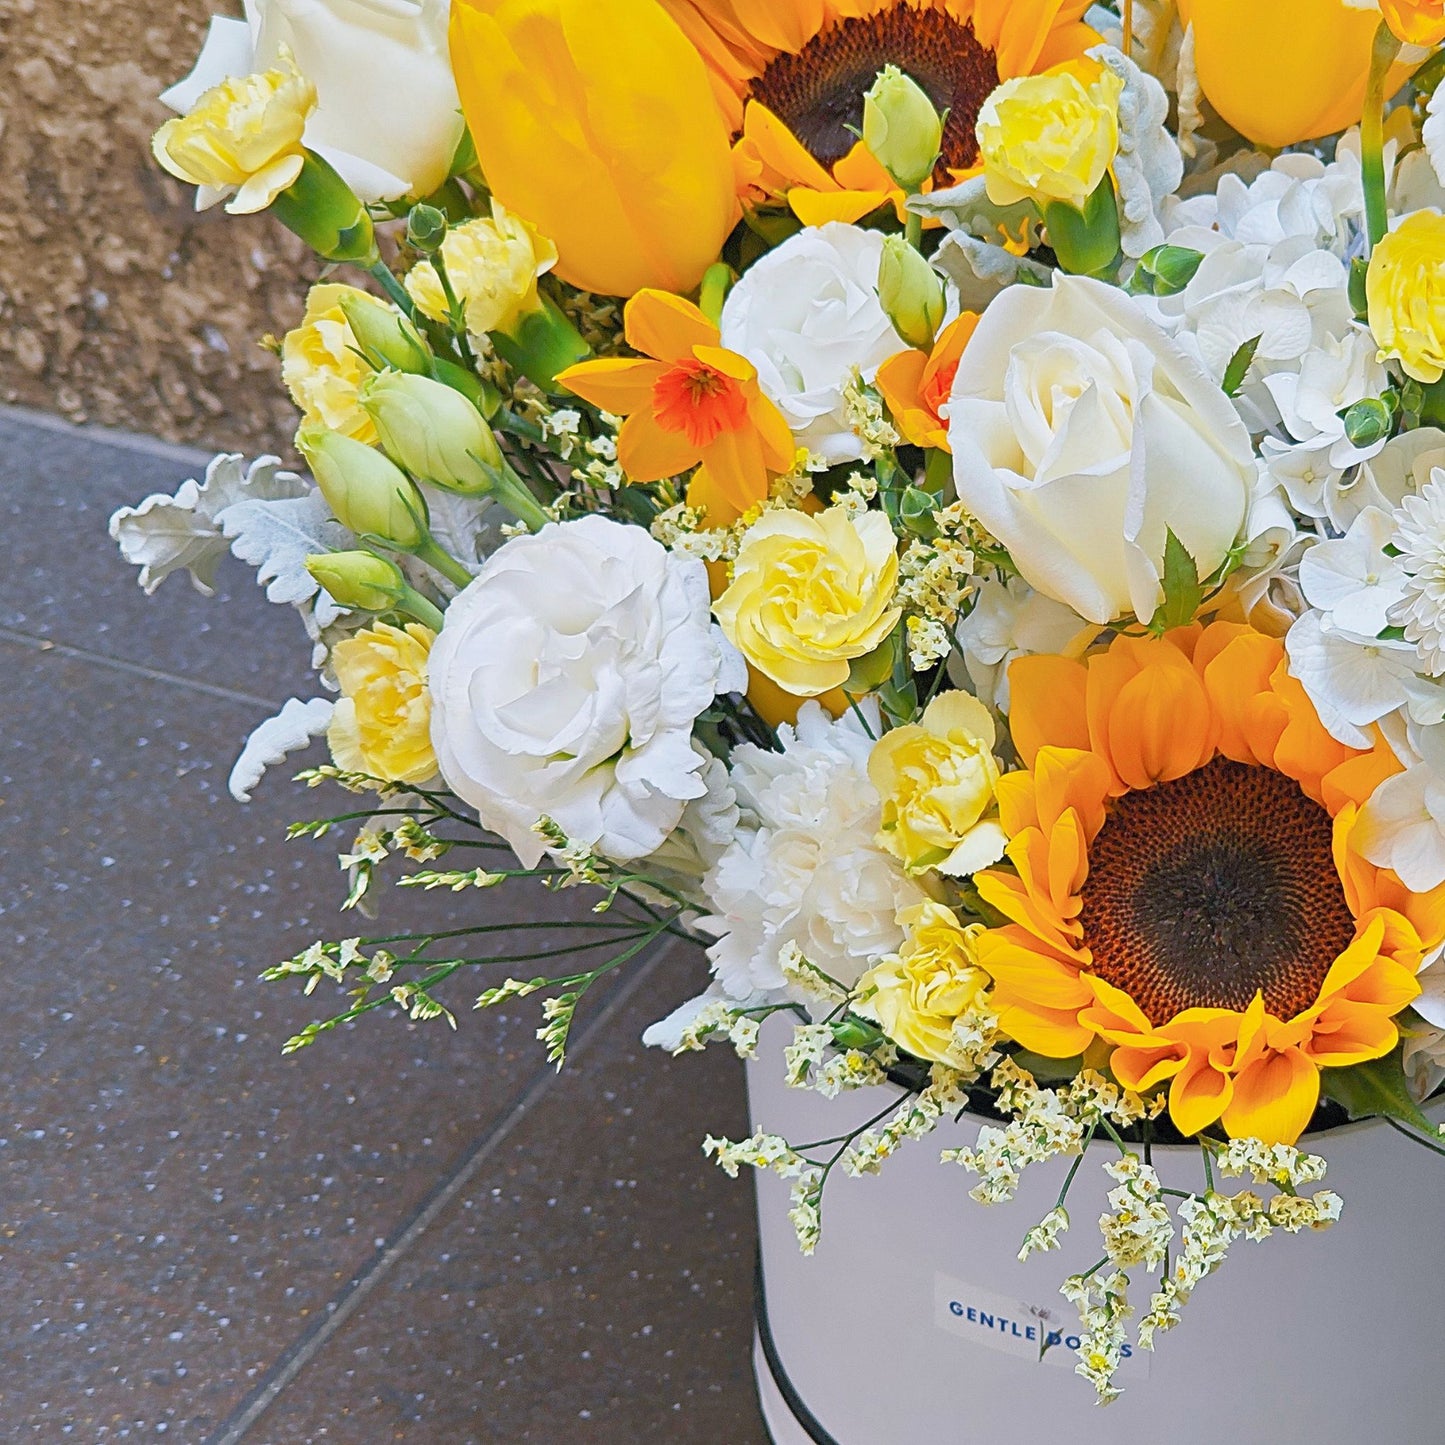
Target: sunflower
x,y
1185,888
806,64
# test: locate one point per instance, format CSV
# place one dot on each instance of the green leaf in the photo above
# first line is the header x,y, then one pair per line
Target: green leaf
x,y
1239,364
1183,592
1376,1089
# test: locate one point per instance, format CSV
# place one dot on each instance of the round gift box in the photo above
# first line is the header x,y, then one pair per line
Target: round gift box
x,y
915,1320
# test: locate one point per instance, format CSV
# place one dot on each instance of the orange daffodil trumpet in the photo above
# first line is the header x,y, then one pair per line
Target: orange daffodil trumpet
x,y
688,401
1185,886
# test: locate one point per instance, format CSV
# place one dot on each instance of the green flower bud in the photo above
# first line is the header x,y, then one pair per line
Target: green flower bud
x,y
1167,270
911,292
327,214
1369,421
359,579
367,493
432,431
426,228
855,1033
383,334
917,510
901,127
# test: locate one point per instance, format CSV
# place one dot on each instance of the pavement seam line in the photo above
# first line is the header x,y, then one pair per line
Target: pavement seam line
x,y
139,669
310,1344
126,441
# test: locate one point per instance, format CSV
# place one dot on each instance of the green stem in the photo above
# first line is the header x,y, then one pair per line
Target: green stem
x,y
913,231
512,492
416,606
381,273
443,562
1372,134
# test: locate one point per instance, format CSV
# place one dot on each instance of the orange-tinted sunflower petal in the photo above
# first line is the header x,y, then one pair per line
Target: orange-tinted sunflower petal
x,y
1047,705
1274,1097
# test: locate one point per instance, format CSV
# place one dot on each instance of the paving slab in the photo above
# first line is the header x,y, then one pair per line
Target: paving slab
x,y
184,1208
591,1284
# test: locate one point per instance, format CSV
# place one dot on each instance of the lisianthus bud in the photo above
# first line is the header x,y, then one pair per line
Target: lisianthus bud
x,y
911,292
367,493
1166,270
432,431
901,127
1050,137
382,333
1405,288
359,579
242,138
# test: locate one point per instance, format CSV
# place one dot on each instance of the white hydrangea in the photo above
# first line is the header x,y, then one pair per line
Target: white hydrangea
x,y
1419,539
1008,621
803,868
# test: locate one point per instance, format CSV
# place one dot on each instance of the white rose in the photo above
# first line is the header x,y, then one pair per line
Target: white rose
x,y
807,316
387,114
1082,435
566,681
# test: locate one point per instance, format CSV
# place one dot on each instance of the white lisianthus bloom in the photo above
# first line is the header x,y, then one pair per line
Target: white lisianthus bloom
x,y
1082,435
807,316
1010,620
804,867
565,683
387,116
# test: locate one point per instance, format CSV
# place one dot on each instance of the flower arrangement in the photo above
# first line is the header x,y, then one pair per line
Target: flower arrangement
x,y
943,500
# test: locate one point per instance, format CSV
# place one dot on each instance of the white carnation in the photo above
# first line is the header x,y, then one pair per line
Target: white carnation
x,y
804,868
807,316
566,681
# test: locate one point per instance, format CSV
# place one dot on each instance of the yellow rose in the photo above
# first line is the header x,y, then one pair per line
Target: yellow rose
x,y
243,135
915,995
1405,288
322,366
492,264
382,723
1415,22
937,779
1050,137
810,593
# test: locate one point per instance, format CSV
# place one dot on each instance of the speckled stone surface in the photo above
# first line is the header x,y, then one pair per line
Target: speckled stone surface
x,y
185,1210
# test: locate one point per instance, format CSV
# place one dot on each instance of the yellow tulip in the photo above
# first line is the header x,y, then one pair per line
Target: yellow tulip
x,y
1283,71
595,121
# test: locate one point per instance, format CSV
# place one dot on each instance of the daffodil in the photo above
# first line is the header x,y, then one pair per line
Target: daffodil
x,y
915,384
1186,888
594,120
688,401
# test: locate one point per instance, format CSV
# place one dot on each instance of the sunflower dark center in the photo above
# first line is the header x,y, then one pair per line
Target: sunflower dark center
x,y
818,93
1204,891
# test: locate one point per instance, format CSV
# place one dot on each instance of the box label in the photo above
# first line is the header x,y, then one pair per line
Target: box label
x,y
1045,1334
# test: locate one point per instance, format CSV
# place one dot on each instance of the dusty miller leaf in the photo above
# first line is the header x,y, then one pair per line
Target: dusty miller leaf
x,y
288,732
276,537
164,534
981,271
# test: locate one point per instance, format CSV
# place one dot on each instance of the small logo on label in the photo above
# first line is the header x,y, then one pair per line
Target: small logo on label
x,y
1046,1335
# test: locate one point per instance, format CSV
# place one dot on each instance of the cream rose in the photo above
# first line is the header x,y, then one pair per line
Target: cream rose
x,y
1082,435
566,681
807,316
387,114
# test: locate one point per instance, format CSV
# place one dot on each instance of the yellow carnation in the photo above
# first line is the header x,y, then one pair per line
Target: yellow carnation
x,y
916,994
810,593
322,366
382,723
1405,289
937,779
1050,137
243,135
493,264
